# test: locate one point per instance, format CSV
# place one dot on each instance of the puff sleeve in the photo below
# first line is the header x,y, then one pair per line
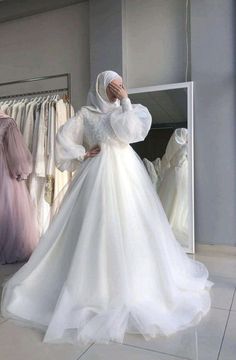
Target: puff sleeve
x,y
69,149
18,156
130,122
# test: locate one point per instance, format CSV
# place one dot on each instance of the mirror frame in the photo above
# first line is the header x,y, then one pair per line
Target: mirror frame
x,y
189,85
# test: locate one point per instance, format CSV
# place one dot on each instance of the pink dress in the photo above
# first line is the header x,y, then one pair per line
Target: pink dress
x,y
18,224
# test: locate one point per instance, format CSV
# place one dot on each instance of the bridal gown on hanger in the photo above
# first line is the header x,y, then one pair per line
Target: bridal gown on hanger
x,y
173,189
169,176
109,262
18,225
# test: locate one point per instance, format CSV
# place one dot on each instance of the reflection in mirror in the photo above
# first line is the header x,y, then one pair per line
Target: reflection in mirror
x,y
165,156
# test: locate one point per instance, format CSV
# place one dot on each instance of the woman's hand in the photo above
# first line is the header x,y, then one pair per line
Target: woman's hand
x,y
93,152
118,90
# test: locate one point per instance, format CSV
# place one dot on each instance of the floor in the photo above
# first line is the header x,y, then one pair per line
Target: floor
x,y
213,339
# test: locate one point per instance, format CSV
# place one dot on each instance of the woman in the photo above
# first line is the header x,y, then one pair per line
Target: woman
x,y
109,262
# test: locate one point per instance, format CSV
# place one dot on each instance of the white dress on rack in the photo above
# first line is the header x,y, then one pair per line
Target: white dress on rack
x,y
173,188
28,123
109,262
63,112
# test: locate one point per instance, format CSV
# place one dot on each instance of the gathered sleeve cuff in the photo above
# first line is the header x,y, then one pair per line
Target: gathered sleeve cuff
x,y
69,149
18,156
130,122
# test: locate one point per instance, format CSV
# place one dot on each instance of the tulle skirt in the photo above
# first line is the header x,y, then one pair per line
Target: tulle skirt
x,y
18,223
109,262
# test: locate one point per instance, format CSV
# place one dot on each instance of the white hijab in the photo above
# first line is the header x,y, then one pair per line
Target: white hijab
x,y
97,99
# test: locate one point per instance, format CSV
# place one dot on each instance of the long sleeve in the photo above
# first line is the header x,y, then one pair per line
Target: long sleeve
x,y
69,149
18,156
130,122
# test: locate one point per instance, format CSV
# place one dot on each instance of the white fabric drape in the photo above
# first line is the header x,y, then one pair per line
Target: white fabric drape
x,y
69,148
173,189
170,178
63,112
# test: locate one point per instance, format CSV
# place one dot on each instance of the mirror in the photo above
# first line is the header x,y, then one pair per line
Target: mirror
x,y
167,153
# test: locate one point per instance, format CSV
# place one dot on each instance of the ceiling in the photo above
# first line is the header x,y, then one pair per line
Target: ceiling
x,y
14,9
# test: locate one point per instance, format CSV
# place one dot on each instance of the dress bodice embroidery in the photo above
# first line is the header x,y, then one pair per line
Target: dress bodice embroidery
x,y
97,130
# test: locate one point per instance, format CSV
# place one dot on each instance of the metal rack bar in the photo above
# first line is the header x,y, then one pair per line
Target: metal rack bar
x,y
172,125
40,78
34,93
35,79
69,85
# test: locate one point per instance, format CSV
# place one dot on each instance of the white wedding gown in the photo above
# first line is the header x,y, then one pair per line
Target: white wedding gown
x,y
173,189
109,262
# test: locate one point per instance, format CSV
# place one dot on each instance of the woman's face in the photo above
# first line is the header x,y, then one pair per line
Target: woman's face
x,y
110,95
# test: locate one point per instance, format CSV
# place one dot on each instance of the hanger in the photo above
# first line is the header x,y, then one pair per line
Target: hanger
x,y
66,98
9,102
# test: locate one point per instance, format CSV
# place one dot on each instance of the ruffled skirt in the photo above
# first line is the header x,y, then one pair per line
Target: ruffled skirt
x,y
109,262
19,233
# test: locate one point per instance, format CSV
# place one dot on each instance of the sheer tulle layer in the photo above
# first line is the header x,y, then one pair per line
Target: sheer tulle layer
x,y
18,230
109,262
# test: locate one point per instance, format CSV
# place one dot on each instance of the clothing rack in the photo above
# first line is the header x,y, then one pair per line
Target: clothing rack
x,y
66,89
52,91
40,78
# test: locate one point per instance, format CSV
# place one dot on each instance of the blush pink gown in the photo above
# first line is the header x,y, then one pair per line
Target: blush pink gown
x,y
18,224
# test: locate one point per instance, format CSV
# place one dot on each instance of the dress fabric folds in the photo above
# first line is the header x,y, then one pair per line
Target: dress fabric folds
x,y
109,262
18,225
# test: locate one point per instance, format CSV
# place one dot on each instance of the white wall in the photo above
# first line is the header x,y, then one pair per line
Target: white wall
x,y
105,36
214,73
154,42
53,42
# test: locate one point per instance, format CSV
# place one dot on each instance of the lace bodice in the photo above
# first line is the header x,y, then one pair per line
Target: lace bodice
x,y
97,130
126,124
